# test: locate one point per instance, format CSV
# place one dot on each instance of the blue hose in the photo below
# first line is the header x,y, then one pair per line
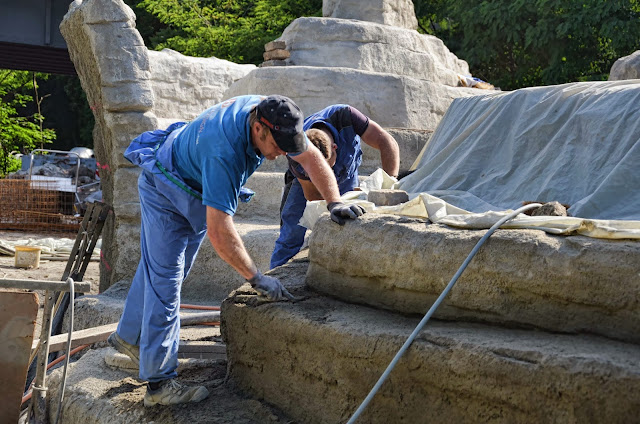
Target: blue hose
x,y
433,308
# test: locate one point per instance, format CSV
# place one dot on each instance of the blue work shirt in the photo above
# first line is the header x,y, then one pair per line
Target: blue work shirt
x,y
214,155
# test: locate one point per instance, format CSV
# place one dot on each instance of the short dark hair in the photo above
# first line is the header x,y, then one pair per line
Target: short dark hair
x,y
321,140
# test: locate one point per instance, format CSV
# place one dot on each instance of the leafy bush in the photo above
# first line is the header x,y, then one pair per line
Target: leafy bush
x,y
521,43
20,133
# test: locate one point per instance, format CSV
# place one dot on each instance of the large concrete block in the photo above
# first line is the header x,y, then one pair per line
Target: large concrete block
x,y
129,62
519,277
371,47
331,353
128,97
390,100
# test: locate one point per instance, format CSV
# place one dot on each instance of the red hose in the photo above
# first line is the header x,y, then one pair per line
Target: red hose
x,y
202,307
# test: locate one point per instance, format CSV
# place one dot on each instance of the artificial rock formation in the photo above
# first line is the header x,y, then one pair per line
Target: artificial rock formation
x,y
403,80
627,67
397,77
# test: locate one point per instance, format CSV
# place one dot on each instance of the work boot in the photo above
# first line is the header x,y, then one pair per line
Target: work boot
x,y
172,392
132,351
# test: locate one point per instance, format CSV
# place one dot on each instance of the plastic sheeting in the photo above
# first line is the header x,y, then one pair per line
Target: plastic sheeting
x,y
578,144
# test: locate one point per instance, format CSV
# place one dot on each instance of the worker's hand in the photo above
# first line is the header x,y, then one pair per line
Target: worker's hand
x,y
269,287
340,211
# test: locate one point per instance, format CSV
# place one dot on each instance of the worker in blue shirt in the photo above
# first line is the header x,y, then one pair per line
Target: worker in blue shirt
x,y
337,131
192,175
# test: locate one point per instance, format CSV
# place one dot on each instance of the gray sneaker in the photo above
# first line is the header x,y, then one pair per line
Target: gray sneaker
x,y
132,351
172,392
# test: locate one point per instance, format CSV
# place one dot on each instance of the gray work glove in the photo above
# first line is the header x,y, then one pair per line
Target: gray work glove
x,y
340,211
269,287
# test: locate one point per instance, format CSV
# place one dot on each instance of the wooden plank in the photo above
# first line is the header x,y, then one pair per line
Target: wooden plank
x,y
18,311
61,286
80,337
101,333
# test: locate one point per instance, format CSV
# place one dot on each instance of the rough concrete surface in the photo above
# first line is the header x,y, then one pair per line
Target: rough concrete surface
x,y
331,353
519,277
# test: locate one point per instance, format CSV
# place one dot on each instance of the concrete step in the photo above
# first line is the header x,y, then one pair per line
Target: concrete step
x,y
524,278
331,353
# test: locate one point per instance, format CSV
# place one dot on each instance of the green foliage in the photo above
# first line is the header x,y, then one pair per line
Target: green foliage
x,y
235,30
521,43
20,132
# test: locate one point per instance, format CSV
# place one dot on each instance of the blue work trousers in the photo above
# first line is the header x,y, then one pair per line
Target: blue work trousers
x,y
173,226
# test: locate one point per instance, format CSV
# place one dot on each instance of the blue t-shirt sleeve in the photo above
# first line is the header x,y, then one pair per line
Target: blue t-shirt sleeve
x,y
220,186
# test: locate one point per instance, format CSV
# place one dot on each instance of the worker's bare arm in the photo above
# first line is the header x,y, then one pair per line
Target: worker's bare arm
x,y
320,172
376,137
228,244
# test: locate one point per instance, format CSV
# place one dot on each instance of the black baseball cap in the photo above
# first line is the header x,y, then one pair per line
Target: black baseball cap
x,y
285,119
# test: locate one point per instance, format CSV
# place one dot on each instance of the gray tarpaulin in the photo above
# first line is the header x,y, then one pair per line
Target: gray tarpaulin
x,y
576,143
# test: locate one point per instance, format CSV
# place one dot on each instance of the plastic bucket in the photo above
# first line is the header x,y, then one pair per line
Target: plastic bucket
x,y
27,256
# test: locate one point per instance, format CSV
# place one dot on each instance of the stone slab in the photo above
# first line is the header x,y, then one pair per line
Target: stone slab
x,y
275,45
18,311
277,54
387,197
331,353
519,277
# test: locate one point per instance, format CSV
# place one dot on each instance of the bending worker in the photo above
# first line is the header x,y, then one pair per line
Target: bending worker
x,y
336,130
192,176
